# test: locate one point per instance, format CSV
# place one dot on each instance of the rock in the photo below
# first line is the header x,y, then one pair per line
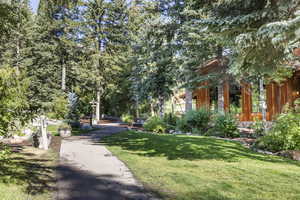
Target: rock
x,y
295,155
64,132
177,132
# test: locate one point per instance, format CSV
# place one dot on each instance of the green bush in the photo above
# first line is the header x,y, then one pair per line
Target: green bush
x,y
195,120
65,126
5,151
182,125
170,120
127,118
284,135
14,104
225,125
259,127
59,108
155,124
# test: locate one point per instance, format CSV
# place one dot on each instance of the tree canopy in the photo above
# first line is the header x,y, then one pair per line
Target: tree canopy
x,y
132,55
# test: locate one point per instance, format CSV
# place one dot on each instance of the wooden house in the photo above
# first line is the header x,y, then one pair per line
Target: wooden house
x,y
277,95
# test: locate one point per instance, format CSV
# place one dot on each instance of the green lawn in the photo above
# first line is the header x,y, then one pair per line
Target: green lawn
x,y
78,131
53,129
203,168
29,175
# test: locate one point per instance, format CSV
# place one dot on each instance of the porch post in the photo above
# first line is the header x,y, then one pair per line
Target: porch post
x,y
188,100
226,96
246,102
221,98
262,99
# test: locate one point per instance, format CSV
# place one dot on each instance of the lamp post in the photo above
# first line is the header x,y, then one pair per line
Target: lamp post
x,y
93,105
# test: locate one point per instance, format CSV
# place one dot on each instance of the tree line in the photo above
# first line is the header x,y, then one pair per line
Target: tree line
x,y
130,56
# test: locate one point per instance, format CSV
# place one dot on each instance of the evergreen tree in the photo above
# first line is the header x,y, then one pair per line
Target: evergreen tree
x,y
105,32
154,71
260,34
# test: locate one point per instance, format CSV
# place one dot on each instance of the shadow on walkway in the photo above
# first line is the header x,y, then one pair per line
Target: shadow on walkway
x,y
77,184
78,179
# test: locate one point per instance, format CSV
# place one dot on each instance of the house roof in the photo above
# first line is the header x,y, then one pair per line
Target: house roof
x,y
215,65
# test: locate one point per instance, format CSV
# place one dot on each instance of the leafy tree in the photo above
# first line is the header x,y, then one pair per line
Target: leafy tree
x,y
13,100
13,78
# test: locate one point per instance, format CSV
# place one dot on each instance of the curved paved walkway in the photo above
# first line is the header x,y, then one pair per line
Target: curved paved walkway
x,y
88,171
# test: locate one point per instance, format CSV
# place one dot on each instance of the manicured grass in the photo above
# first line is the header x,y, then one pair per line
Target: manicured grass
x,y
202,168
28,175
53,129
78,131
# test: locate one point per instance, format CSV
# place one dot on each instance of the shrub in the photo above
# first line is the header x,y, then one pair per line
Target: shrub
x,y
170,120
284,135
75,124
259,127
5,151
64,126
195,120
59,108
182,125
127,118
225,125
14,105
297,105
155,124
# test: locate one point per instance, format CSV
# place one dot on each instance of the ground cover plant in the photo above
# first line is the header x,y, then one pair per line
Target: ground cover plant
x,y
180,167
127,118
284,135
53,129
224,125
196,121
155,124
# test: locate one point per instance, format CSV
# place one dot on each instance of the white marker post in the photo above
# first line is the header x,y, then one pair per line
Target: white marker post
x,y
44,133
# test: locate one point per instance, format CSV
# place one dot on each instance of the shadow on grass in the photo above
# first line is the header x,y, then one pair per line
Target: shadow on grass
x,y
186,147
36,176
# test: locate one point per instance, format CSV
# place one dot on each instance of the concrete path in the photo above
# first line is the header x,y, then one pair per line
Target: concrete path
x,y
88,171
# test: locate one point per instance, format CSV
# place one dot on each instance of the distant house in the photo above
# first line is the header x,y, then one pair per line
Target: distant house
x,y
242,98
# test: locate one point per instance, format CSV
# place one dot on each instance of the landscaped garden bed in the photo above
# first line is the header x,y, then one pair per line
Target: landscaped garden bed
x,y
198,167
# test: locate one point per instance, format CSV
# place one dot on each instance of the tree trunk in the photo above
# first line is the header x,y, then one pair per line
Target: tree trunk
x,y
137,113
262,100
98,105
161,106
63,77
188,100
220,98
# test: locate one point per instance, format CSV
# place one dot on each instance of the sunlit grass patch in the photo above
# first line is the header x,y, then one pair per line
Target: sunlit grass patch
x,y
193,167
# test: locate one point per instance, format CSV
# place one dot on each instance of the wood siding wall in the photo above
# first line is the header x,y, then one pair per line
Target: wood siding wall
x,y
277,96
203,97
